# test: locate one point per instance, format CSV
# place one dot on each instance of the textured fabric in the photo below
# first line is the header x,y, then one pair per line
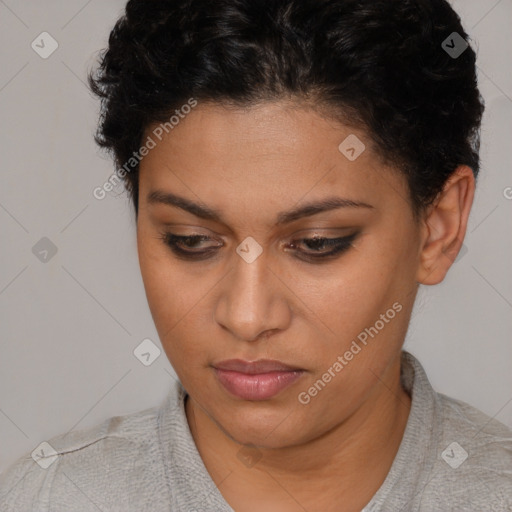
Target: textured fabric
x,y
148,461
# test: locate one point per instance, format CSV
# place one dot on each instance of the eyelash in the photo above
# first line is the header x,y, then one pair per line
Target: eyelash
x,y
340,245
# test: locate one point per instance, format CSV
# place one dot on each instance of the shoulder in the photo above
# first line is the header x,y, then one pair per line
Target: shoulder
x,y
474,458
454,457
85,469
486,438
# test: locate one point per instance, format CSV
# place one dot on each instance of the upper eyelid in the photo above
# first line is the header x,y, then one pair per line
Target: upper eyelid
x,y
303,233
202,236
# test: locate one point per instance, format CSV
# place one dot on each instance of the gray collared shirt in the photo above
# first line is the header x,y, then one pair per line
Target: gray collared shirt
x,y
452,458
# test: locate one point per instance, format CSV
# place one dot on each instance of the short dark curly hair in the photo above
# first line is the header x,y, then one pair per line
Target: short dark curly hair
x,y
376,64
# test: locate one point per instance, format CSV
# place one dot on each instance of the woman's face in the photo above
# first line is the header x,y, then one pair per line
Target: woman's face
x,y
333,314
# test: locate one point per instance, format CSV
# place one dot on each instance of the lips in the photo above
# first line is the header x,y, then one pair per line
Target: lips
x,y
256,380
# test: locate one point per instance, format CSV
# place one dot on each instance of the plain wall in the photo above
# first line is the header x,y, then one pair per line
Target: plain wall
x,y
68,327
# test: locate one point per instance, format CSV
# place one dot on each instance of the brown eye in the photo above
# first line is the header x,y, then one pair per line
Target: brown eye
x,y
189,246
322,247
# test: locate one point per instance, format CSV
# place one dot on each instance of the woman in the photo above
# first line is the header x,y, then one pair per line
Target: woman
x,y
297,169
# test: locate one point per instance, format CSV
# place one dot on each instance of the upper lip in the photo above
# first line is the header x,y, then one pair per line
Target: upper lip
x,y
254,367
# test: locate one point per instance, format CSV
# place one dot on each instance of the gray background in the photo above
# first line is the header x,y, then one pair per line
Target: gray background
x,y
68,327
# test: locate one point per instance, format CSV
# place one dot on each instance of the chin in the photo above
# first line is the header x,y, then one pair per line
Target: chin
x,y
271,429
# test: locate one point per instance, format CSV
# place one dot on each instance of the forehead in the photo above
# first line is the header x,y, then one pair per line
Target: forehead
x,y
272,130
279,153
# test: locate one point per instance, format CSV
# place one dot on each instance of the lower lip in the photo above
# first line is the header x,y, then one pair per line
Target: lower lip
x,y
261,386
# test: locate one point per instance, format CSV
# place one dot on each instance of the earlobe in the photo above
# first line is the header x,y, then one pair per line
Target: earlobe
x,y
445,226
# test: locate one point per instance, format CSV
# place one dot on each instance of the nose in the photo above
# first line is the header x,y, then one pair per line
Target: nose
x,y
252,302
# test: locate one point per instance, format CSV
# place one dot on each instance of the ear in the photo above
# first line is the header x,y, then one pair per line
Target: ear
x,y
444,226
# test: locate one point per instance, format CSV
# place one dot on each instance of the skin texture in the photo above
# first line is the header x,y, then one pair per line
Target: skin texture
x,y
250,165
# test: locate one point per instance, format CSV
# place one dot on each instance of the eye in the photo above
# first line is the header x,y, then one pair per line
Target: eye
x,y
195,247
187,246
322,247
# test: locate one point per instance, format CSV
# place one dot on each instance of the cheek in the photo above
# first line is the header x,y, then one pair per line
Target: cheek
x,y
166,289
351,295
176,301
362,309
333,304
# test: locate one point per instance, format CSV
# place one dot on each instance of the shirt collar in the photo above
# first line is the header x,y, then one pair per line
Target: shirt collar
x,y
189,483
416,454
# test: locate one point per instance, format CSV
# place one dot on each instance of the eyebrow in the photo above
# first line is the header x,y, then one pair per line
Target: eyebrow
x,y
284,217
